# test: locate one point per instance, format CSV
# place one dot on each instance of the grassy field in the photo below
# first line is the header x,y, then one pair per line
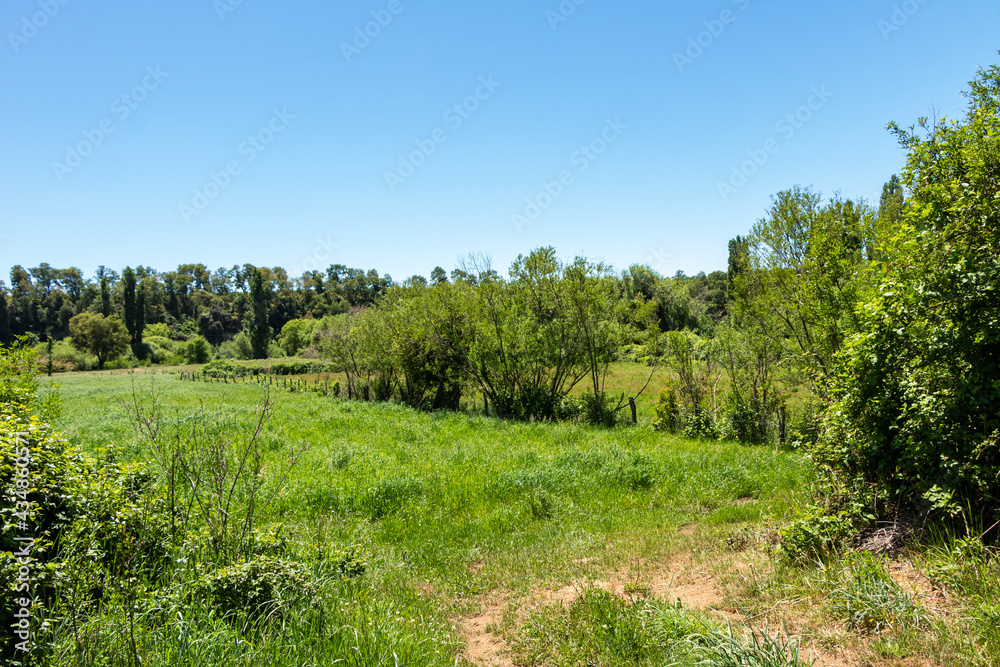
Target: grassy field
x,y
495,543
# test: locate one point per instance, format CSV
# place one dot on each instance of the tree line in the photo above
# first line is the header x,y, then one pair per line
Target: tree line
x,y
127,310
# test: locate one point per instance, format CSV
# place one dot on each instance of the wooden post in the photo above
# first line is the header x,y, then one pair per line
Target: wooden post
x,y
781,425
631,404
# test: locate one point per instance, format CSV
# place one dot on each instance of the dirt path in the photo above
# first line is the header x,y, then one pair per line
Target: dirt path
x,y
483,647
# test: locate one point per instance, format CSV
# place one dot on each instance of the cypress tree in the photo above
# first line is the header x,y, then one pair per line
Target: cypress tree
x,y
128,302
134,305
258,330
105,298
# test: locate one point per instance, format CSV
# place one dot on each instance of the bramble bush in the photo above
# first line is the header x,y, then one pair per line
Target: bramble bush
x,y
917,391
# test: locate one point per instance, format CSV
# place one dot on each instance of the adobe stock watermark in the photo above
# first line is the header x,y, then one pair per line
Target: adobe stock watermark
x,y
30,25
562,13
701,42
454,116
224,7
580,160
248,150
788,126
321,256
363,36
658,259
121,108
901,15
22,510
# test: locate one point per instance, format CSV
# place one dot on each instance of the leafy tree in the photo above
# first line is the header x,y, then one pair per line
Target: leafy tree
x,y
917,411
752,362
438,276
257,325
104,337
296,335
892,201
801,274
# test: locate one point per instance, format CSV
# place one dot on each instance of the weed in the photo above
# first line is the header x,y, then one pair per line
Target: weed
x,y
870,600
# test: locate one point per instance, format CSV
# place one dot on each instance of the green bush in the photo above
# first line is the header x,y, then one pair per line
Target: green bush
x,y
300,368
197,350
917,409
157,330
700,425
224,368
262,587
667,409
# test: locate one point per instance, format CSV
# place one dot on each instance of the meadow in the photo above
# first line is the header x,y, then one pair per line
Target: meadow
x,y
415,538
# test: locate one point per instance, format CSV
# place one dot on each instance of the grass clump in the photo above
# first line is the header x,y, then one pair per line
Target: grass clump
x,y
599,628
870,600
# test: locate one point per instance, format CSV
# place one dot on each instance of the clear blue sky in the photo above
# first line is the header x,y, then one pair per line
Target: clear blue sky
x,y
329,121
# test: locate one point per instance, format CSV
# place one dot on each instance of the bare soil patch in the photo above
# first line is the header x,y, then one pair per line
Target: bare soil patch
x,y
483,646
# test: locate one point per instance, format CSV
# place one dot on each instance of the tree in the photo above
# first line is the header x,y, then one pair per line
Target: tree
x,y
133,304
105,298
800,273
104,337
296,335
438,276
917,411
257,325
197,351
5,336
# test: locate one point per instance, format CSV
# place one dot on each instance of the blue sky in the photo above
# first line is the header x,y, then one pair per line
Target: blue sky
x,y
405,134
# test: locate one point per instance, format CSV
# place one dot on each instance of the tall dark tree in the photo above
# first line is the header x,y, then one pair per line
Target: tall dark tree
x,y
105,297
134,306
4,321
257,326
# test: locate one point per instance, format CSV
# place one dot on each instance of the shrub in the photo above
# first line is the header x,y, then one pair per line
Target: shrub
x,y
700,424
300,368
917,399
224,368
65,357
197,351
668,413
157,330
262,587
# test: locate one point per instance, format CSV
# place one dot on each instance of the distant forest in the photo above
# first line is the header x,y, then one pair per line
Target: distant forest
x,y
194,301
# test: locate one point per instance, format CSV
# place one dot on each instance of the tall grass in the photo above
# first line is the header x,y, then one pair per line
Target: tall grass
x,y
419,498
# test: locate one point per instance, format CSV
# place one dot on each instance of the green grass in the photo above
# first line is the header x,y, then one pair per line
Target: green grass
x,y
406,522
427,496
439,490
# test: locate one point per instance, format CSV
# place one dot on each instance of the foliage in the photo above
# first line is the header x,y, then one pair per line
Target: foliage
x,y
296,335
197,350
257,328
261,587
224,368
801,272
870,600
103,337
751,361
917,409
668,411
